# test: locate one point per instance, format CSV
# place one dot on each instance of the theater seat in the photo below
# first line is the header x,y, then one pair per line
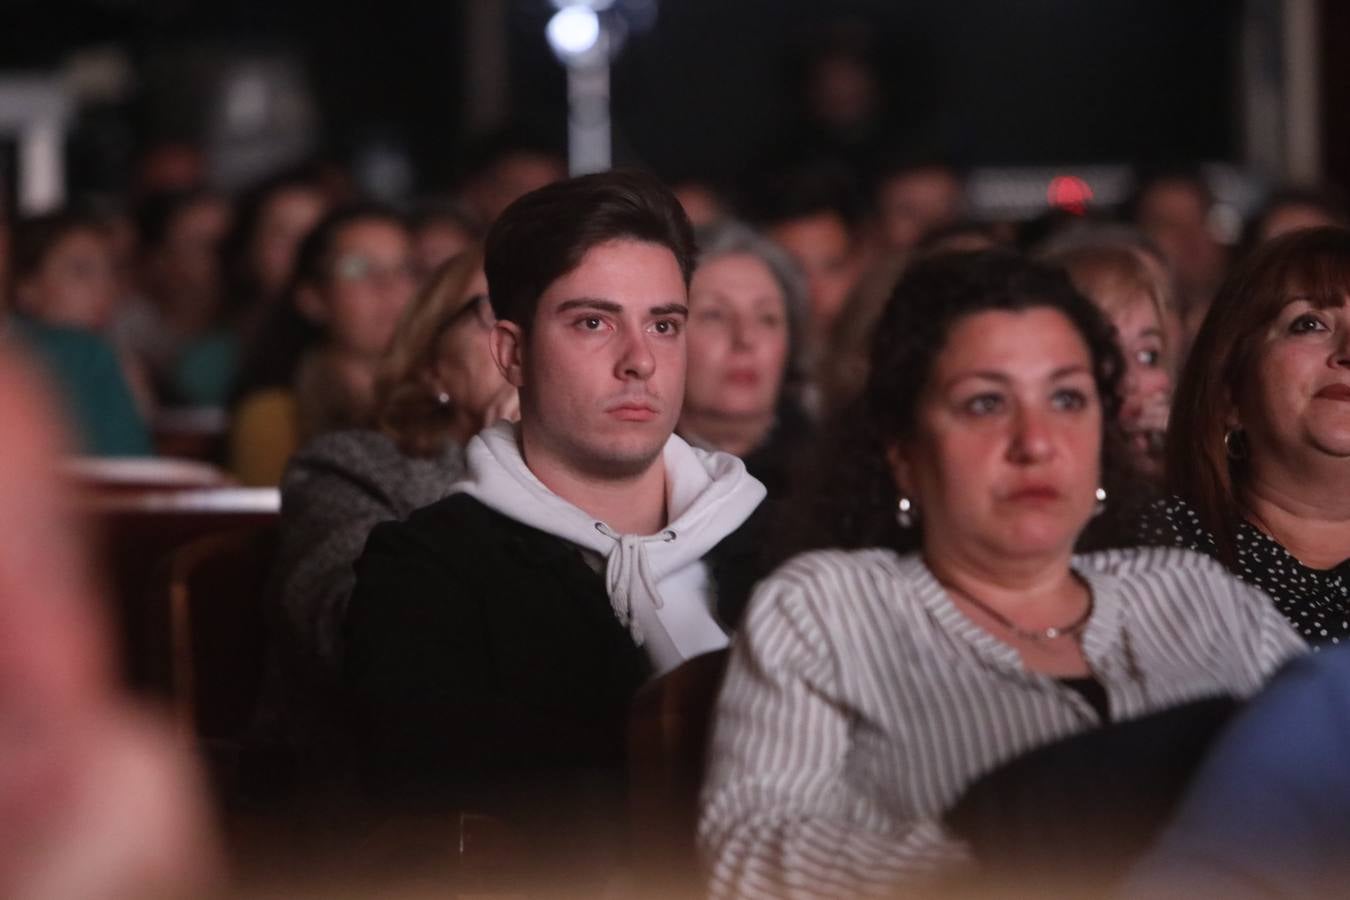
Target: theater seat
x,y
667,741
135,532
217,628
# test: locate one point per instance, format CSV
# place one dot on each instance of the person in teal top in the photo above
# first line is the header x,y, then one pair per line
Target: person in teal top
x,y
60,290
86,372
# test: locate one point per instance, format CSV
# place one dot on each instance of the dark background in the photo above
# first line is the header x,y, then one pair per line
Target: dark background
x,y
705,91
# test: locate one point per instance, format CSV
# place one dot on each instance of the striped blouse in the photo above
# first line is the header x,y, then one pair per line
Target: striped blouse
x,y
859,703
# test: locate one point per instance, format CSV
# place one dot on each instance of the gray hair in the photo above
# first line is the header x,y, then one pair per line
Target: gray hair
x,y
732,238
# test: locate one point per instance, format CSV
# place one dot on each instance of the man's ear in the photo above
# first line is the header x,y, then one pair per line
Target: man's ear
x,y
507,343
311,305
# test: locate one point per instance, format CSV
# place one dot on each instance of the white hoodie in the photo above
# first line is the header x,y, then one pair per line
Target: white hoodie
x,y
658,584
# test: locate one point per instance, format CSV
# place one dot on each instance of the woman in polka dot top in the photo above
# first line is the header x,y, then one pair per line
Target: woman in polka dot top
x,y
1258,450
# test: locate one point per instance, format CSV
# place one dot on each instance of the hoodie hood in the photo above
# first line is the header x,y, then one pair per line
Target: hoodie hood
x,y
708,496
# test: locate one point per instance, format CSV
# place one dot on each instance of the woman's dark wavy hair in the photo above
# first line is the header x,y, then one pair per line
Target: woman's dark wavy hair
x,y
854,502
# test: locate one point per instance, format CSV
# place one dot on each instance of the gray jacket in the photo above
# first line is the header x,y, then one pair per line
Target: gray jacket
x,y
335,490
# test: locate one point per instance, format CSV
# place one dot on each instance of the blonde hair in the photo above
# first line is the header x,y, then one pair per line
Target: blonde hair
x,y
407,407
1112,274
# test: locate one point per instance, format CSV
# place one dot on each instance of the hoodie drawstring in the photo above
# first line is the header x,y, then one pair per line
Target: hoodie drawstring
x,y
628,575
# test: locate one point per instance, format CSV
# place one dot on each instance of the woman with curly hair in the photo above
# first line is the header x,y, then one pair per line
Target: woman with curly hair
x,y
878,688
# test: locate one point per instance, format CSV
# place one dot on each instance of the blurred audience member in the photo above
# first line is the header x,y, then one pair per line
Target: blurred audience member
x,y
954,629
62,270
177,326
812,212
505,166
61,291
1127,290
747,308
962,236
97,800
702,201
913,200
315,369
495,639
842,369
1291,208
119,225
437,387
1173,210
169,166
259,252
440,232
839,78
1259,448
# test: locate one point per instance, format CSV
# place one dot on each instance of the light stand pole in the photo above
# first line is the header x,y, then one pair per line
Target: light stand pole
x,y
581,41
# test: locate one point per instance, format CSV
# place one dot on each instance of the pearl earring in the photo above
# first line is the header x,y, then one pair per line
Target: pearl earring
x,y
904,513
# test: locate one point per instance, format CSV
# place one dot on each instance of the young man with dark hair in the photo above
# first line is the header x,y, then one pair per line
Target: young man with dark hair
x,y
496,638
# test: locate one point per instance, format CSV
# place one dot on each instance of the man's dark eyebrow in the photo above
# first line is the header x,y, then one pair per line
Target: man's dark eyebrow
x,y
609,306
590,303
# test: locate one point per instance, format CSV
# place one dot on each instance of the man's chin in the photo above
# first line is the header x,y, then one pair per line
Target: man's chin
x,y
625,458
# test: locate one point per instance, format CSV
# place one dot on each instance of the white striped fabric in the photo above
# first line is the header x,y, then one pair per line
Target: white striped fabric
x,y
860,703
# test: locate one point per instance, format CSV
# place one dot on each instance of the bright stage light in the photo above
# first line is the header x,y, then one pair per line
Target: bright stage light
x,y
573,31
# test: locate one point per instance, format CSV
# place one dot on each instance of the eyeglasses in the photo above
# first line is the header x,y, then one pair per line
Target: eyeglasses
x,y
479,306
355,267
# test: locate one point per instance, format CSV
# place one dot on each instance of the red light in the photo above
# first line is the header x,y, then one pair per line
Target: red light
x,y
1069,193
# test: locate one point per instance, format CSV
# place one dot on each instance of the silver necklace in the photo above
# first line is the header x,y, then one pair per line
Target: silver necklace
x,y
1045,634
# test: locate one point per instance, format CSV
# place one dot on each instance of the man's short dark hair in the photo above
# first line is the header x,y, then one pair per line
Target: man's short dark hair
x,y
543,235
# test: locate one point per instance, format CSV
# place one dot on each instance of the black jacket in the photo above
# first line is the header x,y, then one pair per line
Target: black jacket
x,y
486,670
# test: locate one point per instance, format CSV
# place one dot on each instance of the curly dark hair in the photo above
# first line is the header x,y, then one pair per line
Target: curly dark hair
x,y
853,503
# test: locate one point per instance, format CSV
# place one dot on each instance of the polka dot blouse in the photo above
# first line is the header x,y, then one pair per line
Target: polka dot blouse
x,y
1316,601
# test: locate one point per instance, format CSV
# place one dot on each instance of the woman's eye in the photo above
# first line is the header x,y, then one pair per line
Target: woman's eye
x,y
771,321
983,404
1305,324
1149,358
1069,399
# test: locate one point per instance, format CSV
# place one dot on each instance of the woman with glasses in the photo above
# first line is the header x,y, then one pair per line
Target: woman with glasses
x,y
314,369
436,387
